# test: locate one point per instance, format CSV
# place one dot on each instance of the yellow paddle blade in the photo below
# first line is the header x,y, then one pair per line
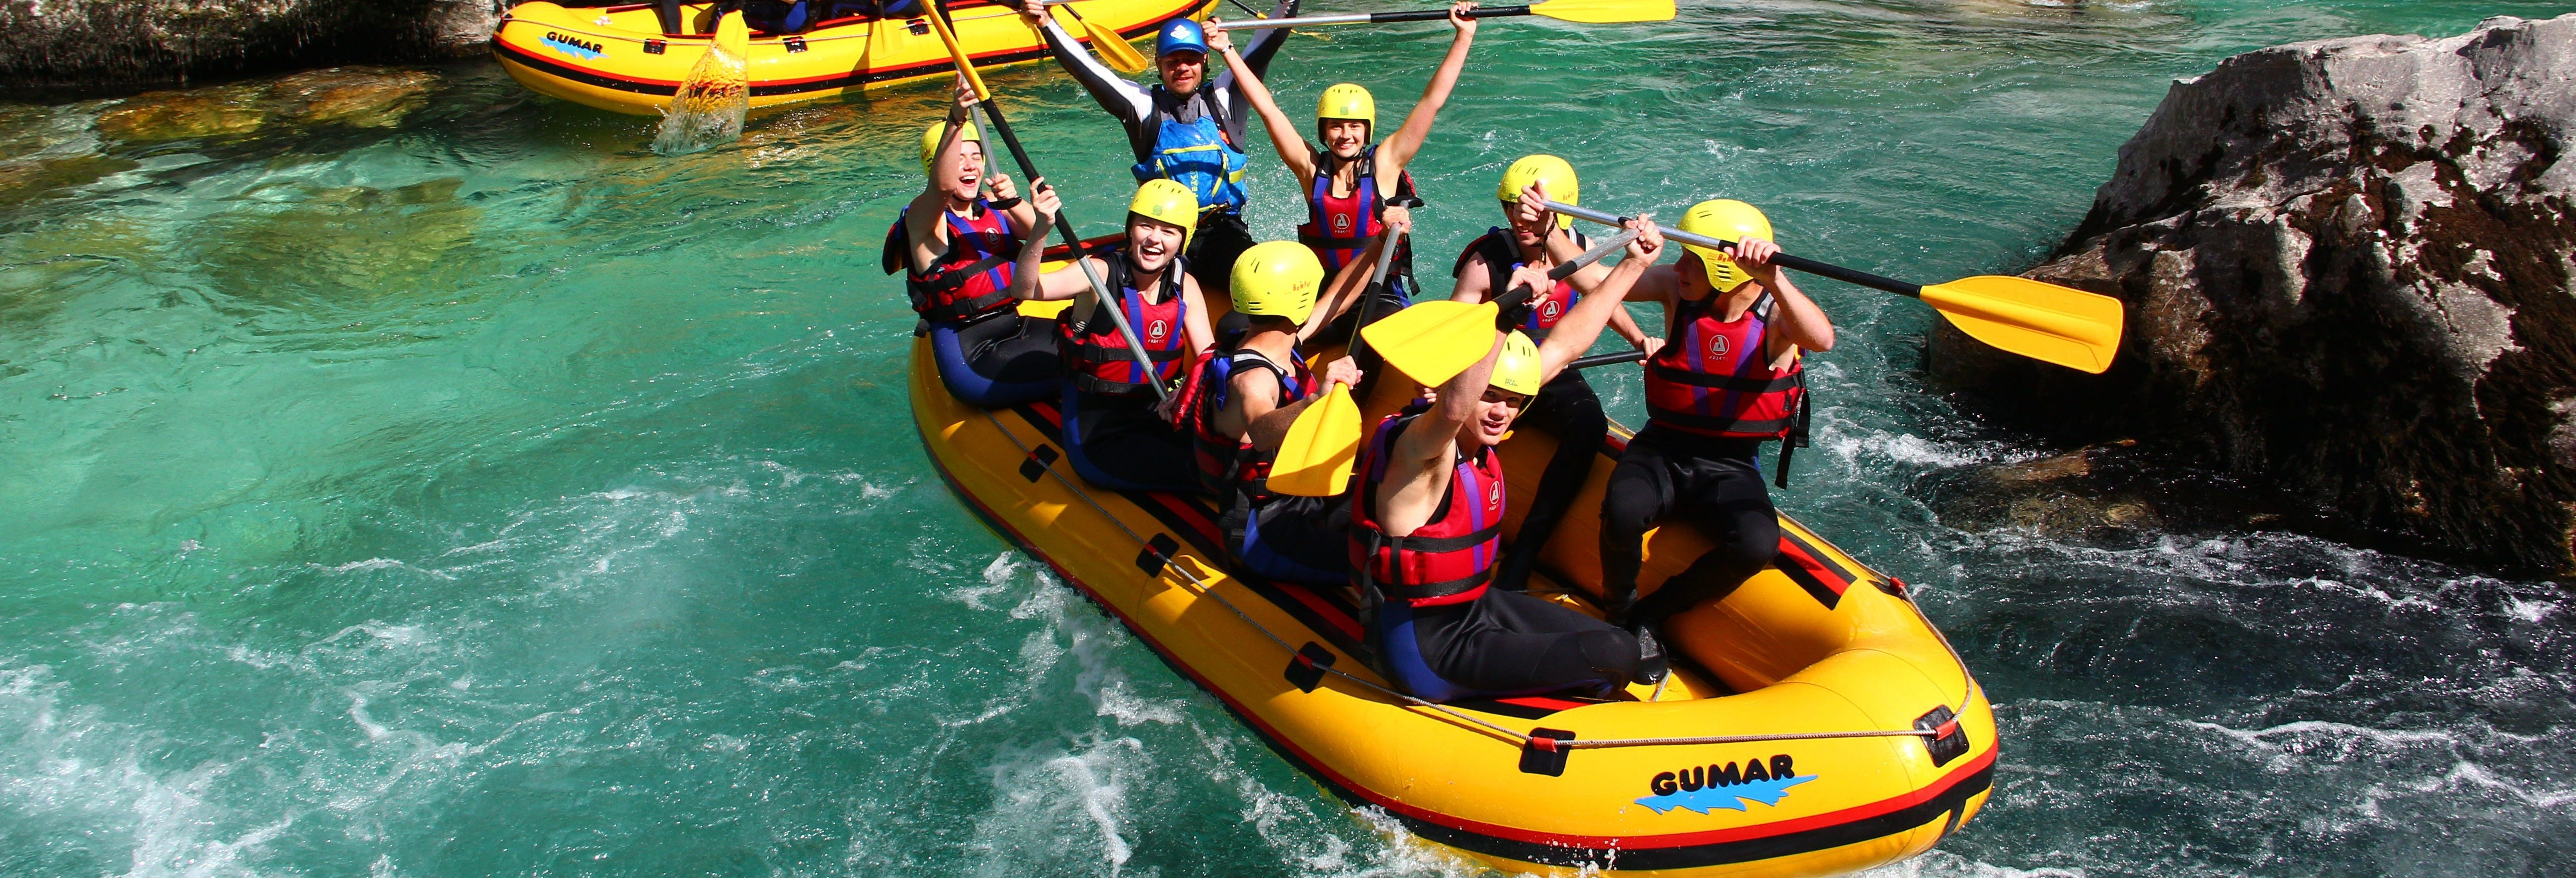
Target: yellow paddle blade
x,y
1433,341
1112,48
733,36
2042,321
1315,459
1605,11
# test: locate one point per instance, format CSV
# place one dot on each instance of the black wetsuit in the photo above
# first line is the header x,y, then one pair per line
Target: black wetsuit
x,y
1714,483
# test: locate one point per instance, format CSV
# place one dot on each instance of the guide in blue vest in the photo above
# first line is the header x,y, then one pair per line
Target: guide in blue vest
x,y
1187,128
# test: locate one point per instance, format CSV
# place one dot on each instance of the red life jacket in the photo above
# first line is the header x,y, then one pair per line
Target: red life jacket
x,y
1449,559
1097,355
1713,378
973,278
1227,464
1502,255
1338,227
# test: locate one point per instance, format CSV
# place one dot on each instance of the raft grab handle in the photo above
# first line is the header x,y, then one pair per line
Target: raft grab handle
x,y
1541,749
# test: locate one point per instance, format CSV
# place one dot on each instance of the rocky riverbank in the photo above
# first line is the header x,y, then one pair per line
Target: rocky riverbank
x,y
95,44
2347,275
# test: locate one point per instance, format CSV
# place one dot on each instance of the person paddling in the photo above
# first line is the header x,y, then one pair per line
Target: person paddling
x,y
958,250
1187,128
1348,180
1427,507
1247,396
1113,431
1566,408
1728,378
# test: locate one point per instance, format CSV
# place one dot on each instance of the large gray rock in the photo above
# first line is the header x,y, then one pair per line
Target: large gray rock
x,y
2346,269
92,43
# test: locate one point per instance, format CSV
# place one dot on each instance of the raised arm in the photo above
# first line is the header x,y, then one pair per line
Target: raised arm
x,y
1130,102
1283,132
1025,275
1417,467
1575,333
1265,46
1407,140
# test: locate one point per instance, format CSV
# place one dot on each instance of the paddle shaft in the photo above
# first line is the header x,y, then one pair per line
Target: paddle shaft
x,y
1101,297
1369,18
1385,257
1627,356
1523,292
1784,260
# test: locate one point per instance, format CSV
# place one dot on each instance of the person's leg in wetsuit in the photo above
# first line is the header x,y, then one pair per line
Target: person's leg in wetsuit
x,y
1568,410
1299,539
1510,642
1012,349
1124,439
1715,484
1219,239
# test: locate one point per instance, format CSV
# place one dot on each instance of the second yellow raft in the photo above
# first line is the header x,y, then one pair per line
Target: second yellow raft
x,y
617,58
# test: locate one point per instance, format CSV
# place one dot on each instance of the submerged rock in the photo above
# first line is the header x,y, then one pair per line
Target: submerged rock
x,y
2346,269
359,97
92,43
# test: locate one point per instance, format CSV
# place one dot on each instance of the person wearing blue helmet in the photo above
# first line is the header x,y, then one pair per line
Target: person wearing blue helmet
x,y
1188,128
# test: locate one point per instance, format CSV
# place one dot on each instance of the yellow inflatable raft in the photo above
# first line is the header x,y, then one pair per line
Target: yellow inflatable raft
x,y
1840,731
617,58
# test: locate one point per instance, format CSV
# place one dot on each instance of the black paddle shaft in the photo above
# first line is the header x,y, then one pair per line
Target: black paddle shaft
x,y
1441,14
1611,359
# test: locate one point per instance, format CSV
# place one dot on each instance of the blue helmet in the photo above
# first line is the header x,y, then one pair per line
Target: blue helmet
x,y
1181,35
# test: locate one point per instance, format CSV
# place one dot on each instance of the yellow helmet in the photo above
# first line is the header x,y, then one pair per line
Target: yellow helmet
x,y
1725,219
1277,279
930,141
1558,177
1517,368
1162,200
1346,101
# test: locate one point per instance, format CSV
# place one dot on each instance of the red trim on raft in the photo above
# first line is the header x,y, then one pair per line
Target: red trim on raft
x,y
1965,771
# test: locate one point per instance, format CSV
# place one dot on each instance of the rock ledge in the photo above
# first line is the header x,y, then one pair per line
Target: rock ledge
x,y
2347,273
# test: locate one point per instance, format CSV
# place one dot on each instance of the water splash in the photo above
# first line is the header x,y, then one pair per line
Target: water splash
x,y
710,106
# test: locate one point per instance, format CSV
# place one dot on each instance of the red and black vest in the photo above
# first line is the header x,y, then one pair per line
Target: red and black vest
x,y
1714,378
1502,255
973,278
1097,355
1449,559
1338,227
1227,464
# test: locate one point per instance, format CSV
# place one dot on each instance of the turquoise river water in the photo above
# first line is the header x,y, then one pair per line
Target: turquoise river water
x,y
470,491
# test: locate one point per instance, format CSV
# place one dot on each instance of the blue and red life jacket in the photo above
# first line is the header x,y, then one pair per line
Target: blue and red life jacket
x,y
1229,464
972,279
1502,255
1338,227
1714,377
1097,357
1447,560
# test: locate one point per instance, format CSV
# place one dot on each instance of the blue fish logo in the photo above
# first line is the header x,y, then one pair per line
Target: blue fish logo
x,y
1731,797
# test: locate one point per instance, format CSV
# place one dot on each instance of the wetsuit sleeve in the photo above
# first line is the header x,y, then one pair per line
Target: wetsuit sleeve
x,y
1237,109
1131,103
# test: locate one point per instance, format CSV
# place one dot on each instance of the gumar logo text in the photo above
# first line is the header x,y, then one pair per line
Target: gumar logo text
x,y
1707,788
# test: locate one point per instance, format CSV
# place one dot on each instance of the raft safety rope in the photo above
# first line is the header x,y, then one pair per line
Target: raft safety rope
x,y
1540,743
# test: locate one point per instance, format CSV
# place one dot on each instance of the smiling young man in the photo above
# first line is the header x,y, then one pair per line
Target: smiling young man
x,y
1566,408
1427,507
1187,128
1115,433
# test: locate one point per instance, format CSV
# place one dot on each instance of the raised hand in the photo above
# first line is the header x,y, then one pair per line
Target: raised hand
x,y
1754,255
1458,18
